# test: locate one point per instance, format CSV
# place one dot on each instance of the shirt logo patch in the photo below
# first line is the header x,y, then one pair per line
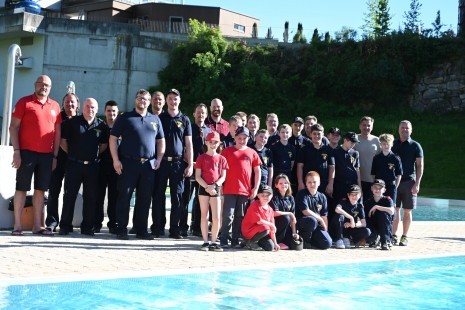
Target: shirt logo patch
x,y
290,154
97,132
288,207
179,124
265,160
154,125
352,160
319,207
391,166
324,156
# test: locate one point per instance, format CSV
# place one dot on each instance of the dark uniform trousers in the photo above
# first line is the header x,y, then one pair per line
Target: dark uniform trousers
x,y
154,227
139,176
357,233
174,172
107,178
380,224
313,233
54,190
77,173
190,187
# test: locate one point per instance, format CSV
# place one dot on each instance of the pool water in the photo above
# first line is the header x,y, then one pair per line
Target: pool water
x,y
432,283
439,213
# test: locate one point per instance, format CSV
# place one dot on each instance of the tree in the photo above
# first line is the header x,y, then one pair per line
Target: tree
x,y
378,19
345,34
269,34
286,32
299,37
315,36
437,25
327,37
412,22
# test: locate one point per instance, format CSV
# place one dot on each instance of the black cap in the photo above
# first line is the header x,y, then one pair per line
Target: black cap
x,y
335,130
298,120
265,189
354,188
379,182
242,131
174,91
352,137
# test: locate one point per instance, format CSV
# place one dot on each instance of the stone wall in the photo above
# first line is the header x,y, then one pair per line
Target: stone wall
x,y
441,91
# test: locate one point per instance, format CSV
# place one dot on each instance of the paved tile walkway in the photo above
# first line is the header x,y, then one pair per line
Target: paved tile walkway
x,y
32,256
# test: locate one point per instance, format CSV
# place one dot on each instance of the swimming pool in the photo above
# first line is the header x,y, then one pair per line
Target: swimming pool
x,y
414,284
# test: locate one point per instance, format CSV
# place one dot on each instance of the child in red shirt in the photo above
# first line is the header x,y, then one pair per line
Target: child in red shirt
x,y
210,173
258,225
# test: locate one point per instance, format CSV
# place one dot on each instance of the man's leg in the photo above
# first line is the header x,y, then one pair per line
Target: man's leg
x,y
19,201
38,205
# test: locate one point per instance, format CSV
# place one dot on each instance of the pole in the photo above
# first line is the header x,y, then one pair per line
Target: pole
x,y
14,53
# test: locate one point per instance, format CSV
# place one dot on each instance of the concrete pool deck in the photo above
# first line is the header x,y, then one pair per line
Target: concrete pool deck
x,y
33,257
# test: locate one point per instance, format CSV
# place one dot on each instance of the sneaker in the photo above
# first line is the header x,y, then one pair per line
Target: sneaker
x,y
346,242
375,243
215,247
340,244
394,239
253,246
403,241
205,246
224,245
385,246
235,244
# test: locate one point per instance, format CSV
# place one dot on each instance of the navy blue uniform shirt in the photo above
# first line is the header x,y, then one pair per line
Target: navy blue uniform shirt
x,y
84,139
317,160
175,129
306,201
356,211
138,134
408,151
198,139
299,141
384,201
346,164
283,156
386,167
228,141
267,162
283,204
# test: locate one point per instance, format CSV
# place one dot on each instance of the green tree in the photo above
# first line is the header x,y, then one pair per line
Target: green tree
x,y
315,37
345,34
378,19
437,25
412,22
299,37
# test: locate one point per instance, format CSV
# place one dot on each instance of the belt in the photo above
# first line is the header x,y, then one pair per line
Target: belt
x,y
84,162
172,158
139,159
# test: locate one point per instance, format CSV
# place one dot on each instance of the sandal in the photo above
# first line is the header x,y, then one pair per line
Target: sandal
x,y
17,232
43,232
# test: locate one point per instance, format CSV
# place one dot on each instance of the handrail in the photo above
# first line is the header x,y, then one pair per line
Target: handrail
x,y
14,54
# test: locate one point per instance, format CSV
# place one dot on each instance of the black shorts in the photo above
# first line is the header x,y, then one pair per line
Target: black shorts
x,y
37,164
203,192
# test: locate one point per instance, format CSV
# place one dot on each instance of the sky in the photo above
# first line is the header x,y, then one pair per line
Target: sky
x,y
329,15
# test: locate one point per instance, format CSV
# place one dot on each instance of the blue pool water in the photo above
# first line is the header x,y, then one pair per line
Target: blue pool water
x,y
438,210
433,283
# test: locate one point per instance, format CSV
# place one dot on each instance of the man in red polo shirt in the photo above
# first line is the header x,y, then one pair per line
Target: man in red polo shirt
x,y
214,121
35,136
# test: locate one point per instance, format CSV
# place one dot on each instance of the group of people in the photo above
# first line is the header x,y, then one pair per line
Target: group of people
x,y
263,189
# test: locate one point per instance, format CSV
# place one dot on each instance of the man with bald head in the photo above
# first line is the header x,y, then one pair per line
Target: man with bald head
x,y
35,136
214,121
158,102
84,137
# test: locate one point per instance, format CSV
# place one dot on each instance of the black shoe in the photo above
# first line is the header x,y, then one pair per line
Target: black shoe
x,y
122,236
132,231
63,232
196,233
176,236
112,230
89,232
155,234
96,229
235,244
183,233
145,236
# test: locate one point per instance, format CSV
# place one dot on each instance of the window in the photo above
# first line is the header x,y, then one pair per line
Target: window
x,y
239,28
176,24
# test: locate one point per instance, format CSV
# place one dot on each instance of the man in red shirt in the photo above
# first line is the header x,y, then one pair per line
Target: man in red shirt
x,y
35,136
214,121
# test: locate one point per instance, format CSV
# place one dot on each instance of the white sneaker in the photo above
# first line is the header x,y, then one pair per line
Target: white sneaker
x,y
340,244
346,243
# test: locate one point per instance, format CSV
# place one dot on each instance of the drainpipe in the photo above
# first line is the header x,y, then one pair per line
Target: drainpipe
x,y
14,53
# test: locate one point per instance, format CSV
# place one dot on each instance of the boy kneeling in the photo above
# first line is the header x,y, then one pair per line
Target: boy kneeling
x,y
258,226
351,220
380,223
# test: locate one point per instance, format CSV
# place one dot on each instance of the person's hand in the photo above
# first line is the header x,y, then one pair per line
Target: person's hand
x,y
16,160
301,186
118,166
415,188
157,164
372,211
352,222
54,163
188,171
277,247
323,224
254,193
329,190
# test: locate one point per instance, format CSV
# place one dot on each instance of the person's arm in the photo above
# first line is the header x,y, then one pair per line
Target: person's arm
x,y
257,178
330,186
339,210
359,179
103,147
208,187
56,144
321,222
389,210
188,155
220,181
270,176
361,223
161,146
419,174
399,177
14,137
64,145
300,177
117,165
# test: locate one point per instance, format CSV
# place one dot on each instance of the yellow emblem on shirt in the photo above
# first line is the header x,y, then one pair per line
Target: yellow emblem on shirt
x,y
98,131
319,207
265,160
391,166
154,125
179,124
290,154
324,156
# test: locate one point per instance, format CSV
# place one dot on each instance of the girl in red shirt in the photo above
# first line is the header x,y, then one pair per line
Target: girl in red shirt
x,y
210,173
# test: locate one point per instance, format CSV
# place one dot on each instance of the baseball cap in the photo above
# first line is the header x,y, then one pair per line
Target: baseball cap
x,y
265,189
213,136
174,91
298,120
242,131
352,137
335,131
379,182
354,188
